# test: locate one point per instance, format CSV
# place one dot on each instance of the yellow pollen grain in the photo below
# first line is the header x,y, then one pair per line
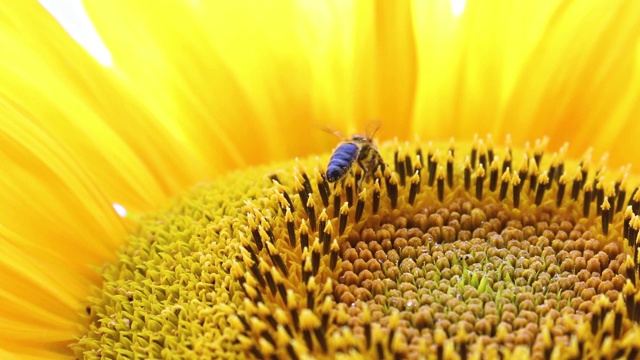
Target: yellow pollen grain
x,y
450,157
277,277
318,176
415,179
394,179
282,201
266,347
308,320
636,196
283,338
564,179
515,179
524,164
506,175
533,166
578,175
507,155
323,215
418,165
328,229
304,229
479,171
362,195
334,246
298,184
436,156
588,187
288,215
311,203
401,154
494,164
467,163
543,179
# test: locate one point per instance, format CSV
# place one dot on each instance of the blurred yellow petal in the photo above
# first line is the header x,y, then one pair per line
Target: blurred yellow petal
x,y
583,80
560,69
343,63
78,97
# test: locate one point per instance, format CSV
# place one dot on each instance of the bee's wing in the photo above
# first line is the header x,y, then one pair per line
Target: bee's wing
x,y
372,127
333,131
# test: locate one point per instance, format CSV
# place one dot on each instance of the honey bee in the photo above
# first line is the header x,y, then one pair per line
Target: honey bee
x,y
357,149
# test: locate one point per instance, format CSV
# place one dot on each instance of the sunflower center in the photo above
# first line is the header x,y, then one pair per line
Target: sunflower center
x,y
482,271
426,255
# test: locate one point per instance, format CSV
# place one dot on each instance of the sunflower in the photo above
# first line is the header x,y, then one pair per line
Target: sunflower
x,y
152,206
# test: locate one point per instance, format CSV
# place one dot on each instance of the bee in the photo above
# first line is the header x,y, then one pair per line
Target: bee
x,y
357,149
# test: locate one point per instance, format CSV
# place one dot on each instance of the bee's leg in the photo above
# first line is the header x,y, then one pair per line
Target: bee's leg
x,y
357,176
365,169
366,172
379,162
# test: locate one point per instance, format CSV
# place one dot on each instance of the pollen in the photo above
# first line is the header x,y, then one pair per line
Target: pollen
x,y
451,251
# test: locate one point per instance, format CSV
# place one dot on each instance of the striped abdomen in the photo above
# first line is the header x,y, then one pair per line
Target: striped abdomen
x,y
341,161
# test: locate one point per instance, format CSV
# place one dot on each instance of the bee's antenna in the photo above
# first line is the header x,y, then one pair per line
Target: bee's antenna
x,y
375,125
374,132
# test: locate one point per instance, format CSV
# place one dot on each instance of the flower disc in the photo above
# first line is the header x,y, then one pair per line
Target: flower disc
x,y
435,255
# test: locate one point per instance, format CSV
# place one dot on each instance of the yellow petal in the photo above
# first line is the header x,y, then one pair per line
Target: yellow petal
x,y
566,70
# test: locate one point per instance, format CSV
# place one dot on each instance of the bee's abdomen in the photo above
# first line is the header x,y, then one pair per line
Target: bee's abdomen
x,y
341,161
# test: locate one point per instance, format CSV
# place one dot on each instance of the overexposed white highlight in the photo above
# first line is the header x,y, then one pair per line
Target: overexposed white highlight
x,y
121,210
457,7
73,17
